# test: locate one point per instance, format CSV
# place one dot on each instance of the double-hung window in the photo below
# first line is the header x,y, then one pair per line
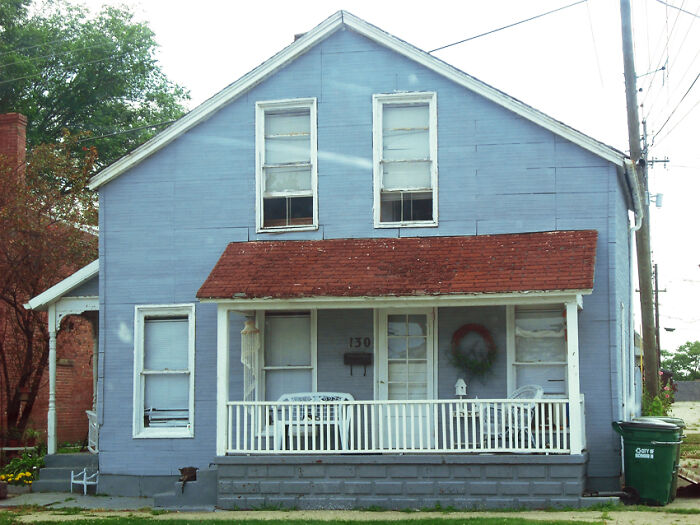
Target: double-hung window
x,y
289,353
405,159
540,348
286,170
164,371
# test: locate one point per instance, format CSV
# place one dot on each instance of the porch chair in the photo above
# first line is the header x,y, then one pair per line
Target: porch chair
x,y
313,418
515,414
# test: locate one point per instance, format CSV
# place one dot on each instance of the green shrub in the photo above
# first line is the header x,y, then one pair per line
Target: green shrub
x,y
24,469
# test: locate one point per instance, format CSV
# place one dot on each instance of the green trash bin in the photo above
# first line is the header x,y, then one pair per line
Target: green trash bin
x,y
650,451
680,424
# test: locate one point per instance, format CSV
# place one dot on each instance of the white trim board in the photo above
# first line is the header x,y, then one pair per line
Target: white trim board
x,y
520,298
302,45
53,294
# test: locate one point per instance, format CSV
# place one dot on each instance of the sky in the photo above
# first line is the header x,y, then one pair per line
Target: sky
x,y
567,64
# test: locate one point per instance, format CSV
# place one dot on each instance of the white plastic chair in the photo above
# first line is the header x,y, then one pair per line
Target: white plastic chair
x,y
520,416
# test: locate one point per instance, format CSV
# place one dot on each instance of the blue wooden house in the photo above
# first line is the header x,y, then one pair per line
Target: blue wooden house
x,y
358,276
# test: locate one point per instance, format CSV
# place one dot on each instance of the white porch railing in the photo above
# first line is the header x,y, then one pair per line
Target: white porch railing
x,y
93,431
435,426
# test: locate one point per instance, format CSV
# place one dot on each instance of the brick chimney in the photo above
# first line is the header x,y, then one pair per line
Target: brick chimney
x,y
13,140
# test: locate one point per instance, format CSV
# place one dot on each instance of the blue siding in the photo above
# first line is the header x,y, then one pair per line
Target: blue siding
x,y
164,224
88,289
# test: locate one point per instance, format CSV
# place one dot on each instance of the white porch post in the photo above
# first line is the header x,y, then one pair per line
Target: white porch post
x,y
222,379
51,414
575,416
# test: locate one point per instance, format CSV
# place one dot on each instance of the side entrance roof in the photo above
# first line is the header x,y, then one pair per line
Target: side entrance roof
x,y
329,26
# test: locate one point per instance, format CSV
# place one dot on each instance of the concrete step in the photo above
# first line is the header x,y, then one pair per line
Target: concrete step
x,y
51,485
75,461
197,495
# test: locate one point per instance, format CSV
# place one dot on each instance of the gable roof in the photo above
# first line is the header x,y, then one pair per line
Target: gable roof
x,y
63,288
320,32
404,267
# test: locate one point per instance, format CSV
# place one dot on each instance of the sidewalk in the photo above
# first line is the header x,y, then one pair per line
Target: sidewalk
x,y
103,506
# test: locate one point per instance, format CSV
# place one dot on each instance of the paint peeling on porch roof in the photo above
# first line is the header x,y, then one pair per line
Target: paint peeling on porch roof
x,y
404,267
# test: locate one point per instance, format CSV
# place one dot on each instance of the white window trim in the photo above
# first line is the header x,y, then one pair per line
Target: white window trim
x,y
511,375
260,322
140,315
378,101
286,104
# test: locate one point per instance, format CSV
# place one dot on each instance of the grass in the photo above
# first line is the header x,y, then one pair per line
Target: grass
x,y
690,448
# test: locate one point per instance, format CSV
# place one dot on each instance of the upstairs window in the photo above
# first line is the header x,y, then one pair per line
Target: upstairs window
x,y
286,165
164,371
405,160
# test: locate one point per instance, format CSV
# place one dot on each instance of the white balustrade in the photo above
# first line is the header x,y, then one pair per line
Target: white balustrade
x,y
432,426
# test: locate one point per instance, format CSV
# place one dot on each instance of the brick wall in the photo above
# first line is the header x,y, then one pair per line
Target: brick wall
x,y
13,143
73,383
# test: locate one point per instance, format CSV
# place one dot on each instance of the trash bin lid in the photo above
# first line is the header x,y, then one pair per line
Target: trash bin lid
x,y
649,423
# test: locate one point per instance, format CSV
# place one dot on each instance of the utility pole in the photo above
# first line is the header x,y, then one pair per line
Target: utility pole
x,y
651,366
656,313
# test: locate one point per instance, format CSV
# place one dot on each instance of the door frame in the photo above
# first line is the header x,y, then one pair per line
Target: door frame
x,y
381,348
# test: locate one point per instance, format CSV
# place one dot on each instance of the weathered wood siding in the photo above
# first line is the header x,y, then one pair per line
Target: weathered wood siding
x,y
164,224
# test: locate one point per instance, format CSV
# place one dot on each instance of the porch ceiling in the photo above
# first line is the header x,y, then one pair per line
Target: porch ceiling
x,y
404,267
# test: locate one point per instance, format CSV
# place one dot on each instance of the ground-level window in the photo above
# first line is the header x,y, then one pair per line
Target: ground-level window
x,y
405,159
286,164
540,348
164,371
289,353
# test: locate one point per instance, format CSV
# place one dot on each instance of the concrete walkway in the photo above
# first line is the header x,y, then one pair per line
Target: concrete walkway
x,y
59,500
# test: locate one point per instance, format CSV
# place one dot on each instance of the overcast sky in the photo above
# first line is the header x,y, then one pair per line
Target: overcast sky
x,y
567,64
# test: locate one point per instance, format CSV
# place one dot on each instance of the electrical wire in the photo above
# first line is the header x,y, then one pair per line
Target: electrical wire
x,y
675,108
56,54
18,49
661,60
672,65
508,26
675,126
595,45
679,8
124,132
69,65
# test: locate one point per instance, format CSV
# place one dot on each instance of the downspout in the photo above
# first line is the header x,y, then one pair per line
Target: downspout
x,y
633,185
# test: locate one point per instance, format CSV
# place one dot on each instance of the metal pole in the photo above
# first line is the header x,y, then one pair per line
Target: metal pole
x,y
643,237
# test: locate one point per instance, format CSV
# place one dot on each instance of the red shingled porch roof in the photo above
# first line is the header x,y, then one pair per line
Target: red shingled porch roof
x,y
548,261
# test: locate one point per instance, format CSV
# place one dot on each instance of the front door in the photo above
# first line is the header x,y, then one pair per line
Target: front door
x,y
405,372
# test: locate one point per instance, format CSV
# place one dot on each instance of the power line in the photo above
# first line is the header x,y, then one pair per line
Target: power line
x,y
69,65
663,52
595,45
675,108
508,26
673,63
679,8
128,131
17,49
28,59
675,126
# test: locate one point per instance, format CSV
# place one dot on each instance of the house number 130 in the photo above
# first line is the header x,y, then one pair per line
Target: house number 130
x,y
359,342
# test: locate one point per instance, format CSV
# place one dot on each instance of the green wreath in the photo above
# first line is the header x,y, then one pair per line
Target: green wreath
x,y
477,359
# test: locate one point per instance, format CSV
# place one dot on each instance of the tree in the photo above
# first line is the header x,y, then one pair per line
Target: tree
x,y
65,70
684,362
43,239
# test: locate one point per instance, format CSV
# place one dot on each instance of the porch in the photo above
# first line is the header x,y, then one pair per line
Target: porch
x,y
384,326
